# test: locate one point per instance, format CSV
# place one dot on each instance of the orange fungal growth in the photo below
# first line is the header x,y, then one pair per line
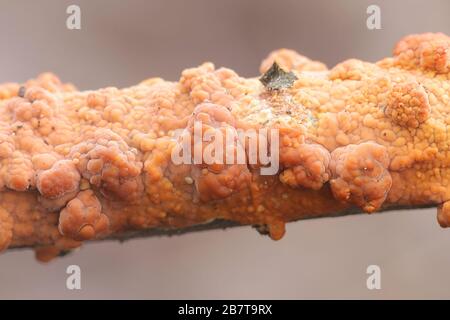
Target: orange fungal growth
x,y
290,60
307,166
86,165
443,214
60,179
106,161
360,175
408,105
218,179
82,218
429,51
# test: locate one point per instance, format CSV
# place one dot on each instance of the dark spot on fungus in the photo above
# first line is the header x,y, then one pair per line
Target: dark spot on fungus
x,y
263,229
22,90
276,78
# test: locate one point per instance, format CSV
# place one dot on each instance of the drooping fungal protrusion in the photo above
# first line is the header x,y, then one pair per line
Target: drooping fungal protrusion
x,y
407,104
360,175
82,218
443,214
275,229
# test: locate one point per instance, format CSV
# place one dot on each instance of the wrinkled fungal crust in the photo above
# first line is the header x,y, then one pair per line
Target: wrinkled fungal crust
x,y
83,165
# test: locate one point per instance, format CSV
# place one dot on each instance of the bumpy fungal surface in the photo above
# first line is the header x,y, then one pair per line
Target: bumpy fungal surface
x,y
219,179
360,175
83,165
82,218
60,179
307,165
408,105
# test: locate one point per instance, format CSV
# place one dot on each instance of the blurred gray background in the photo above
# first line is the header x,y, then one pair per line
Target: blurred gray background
x,y
124,42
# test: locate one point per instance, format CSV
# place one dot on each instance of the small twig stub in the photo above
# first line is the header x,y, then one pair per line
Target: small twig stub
x,y
276,78
21,92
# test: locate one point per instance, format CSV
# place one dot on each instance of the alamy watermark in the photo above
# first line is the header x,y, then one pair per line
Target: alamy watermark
x,y
73,21
374,279
73,281
373,21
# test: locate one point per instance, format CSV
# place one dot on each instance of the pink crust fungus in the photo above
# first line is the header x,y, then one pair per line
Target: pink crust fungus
x,y
408,105
60,179
360,175
82,218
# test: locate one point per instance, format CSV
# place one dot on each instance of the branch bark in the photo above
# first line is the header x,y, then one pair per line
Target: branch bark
x,y
99,165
